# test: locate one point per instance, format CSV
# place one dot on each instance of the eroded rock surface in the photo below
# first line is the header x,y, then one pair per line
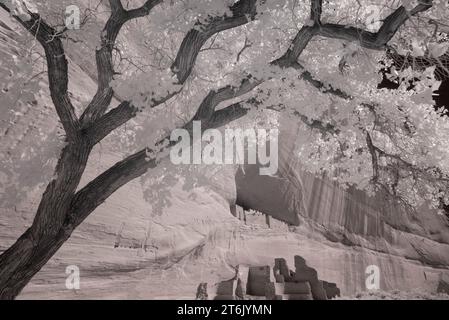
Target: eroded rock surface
x,y
410,248
126,249
277,283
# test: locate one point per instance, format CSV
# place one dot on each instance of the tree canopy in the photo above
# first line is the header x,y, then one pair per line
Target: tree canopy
x,y
161,65
217,61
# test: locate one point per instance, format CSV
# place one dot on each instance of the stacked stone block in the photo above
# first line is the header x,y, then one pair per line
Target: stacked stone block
x,y
258,278
331,289
238,212
306,273
258,218
226,290
278,284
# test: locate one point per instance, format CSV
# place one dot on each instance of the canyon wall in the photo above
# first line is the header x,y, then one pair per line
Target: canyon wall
x,y
162,246
411,249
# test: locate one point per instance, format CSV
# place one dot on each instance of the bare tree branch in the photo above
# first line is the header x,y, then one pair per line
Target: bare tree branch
x,y
375,163
105,66
227,115
93,194
316,9
191,46
378,40
246,45
242,12
99,189
62,207
214,98
144,10
57,65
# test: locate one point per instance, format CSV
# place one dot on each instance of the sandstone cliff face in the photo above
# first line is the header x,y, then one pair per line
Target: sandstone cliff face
x,y
410,248
128,249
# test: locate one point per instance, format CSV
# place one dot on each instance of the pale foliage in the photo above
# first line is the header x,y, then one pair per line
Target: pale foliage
x,y
410,137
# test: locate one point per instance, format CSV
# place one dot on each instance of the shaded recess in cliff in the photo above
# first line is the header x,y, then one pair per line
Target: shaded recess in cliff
x,y
346,216
267,194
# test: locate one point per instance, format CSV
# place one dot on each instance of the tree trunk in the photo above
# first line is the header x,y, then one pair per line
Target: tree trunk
x,y
52,225
23,260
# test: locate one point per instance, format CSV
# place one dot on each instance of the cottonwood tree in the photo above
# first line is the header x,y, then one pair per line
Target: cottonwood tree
x,y
315,60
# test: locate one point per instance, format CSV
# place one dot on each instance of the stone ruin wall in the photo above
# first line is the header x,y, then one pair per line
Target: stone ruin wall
x,y
256,218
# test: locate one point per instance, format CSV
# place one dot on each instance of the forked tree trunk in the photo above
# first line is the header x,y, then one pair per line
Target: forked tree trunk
x,y
52,225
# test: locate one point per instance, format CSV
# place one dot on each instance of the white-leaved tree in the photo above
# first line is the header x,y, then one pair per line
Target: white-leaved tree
x,y
216,61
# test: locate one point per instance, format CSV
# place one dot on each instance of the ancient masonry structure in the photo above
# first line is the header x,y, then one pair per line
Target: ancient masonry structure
x,y
258,218
278,284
